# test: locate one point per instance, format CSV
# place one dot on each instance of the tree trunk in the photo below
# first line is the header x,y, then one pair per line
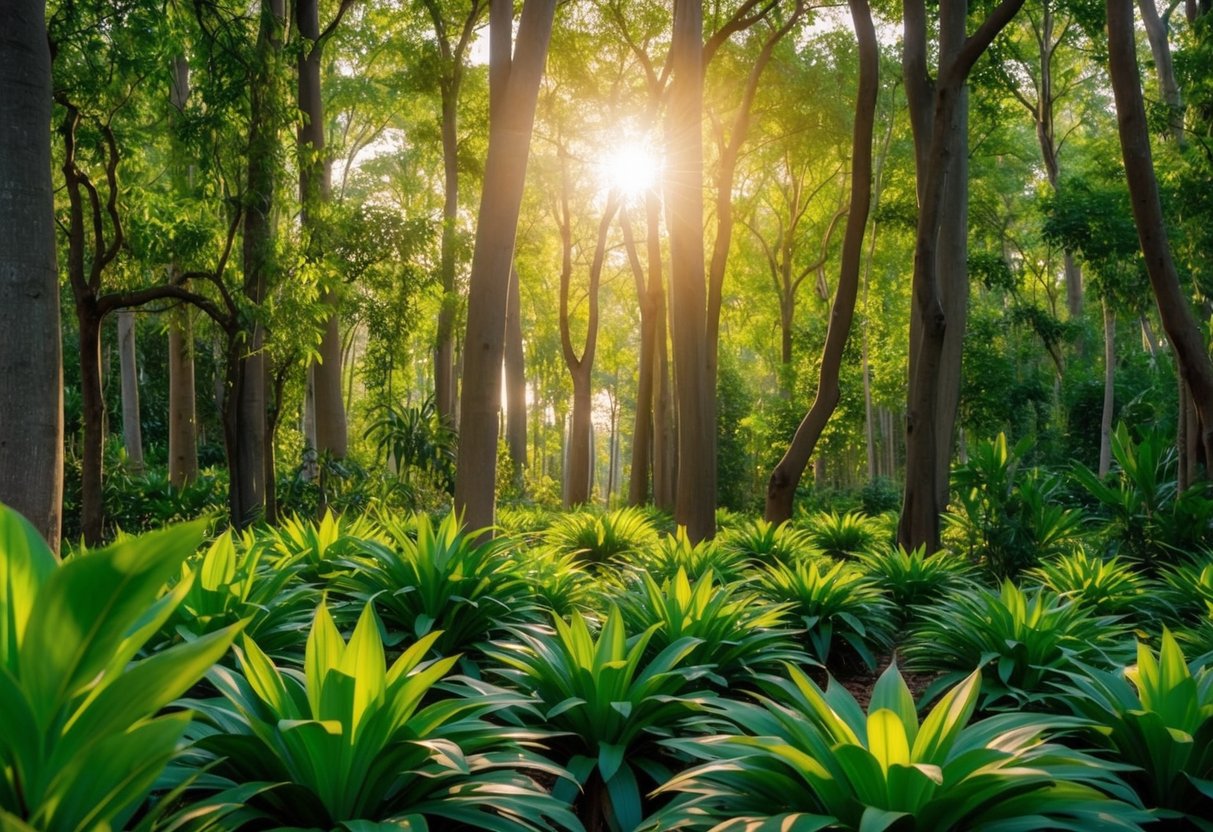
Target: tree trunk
x,y
1109,388
781,489
578,462
31,424
642,430
1164,67
492,258
92,400
515,383
444,348
1182,330
182,424
695,499
132,434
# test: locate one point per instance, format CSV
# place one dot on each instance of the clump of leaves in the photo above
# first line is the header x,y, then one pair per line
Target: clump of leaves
x,y
675,553
735,630
765,542
915,579
849,535
1022,641
1156,716
599,539
1188,586
838,605
810,759
1109,587
352,740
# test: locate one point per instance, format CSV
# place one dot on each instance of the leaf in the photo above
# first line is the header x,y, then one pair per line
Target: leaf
x,y
887,739
610,757
26,562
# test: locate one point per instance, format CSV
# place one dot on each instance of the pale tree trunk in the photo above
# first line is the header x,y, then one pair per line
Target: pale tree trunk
x,y
664,443
781,489
695,498
493,256
1183,331
132,433
182,419
31,423
936,111
1109,388
315,192
642,430
515,383
1164,67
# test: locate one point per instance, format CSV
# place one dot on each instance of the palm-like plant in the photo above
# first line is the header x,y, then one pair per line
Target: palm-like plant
x,y
837,603
849,535
315,547
735,630
610,705
1109,587
351,740
81,741
559,580
600,539
914,579
811,760
1022,641
1188,586
1157,716
442,580
766,542
674,553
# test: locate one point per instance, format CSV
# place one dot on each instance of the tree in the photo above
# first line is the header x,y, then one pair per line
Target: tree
x,y
31,413
510,129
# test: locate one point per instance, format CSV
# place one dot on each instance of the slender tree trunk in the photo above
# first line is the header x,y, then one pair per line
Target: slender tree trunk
x,y
695,500
31,424
1164,67
492,259
781,489
642,430
132,433
578,459
182,424
444,348
515,383
1109,388
92,401
1188,342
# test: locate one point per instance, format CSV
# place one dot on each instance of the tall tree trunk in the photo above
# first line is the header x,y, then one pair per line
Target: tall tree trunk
x,y
664,443
132,433
92,405
1164,67
444,348
492,258
515,383
1109,388
1191,353
695,499
781,489
642,430
31,424
182,424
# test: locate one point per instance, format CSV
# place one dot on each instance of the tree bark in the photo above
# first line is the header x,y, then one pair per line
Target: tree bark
x,y
1184,333
492,258
182,424
515,383
664,444
781,489
642,430
132,433
1109,388
1164,67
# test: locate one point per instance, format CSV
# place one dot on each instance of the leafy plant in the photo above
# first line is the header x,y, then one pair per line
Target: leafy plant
x,y
1022,641
316,546
674,553
849,535
837,603
1150,520
441,580
915,579
352,740
1188,586
82,743
599,539
765,542
414,438
736,631
558,580
1008,518
1109,587
1157,716
812,760
610,704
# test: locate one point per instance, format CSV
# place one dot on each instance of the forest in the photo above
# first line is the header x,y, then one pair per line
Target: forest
x,y
606,415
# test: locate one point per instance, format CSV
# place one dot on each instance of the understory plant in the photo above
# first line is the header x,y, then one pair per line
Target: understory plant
x,y
352,740
804,759
1156,716
82,739
840,608
675,552
914,579
1106,586
848,535
1021,641
598,539
609,706
764,542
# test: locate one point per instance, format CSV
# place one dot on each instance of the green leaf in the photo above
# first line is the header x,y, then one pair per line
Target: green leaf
x,y
26,562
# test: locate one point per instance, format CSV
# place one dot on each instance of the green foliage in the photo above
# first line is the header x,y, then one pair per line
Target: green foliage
x,y
1188,586
608,702
878,495
1149,520
599,539
1157,717
1107,587
1006,518
811,760
558,580
352,739
847,535
414,438
83,742
735,630
675,553
439,579
1021,641
913,580
765,542
838,604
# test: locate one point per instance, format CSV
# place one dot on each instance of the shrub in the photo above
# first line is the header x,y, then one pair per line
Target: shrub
x,y
674,553
837,604
766,542
1022,641
914,579
810,760
847,535
1188,586
599,539
1108,587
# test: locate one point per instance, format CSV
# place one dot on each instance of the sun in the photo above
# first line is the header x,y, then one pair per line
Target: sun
x,y
631,169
